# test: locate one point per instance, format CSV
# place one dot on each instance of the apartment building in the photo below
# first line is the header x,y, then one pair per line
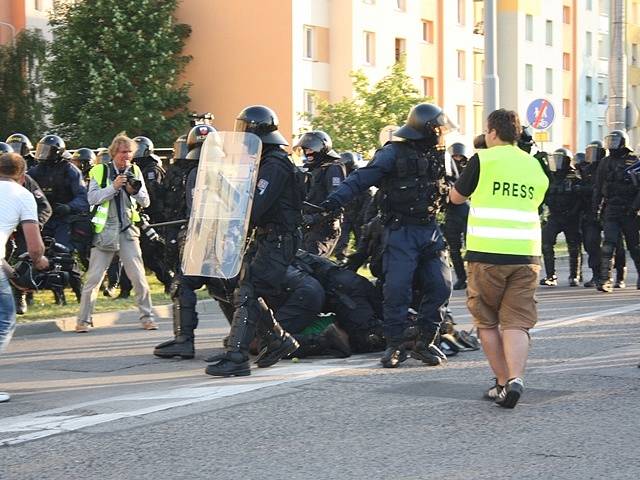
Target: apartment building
x,y
16,15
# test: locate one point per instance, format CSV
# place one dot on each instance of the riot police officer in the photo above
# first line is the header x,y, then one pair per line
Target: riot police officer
x,y
5,148
617,199
275,217
455,220
327,173
84,159
411,177
62,184
22,145
563,201
590,225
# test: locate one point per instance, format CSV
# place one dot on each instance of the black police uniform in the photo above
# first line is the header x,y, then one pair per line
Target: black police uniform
x,y
563,201
455,229
617,197
411,176
275,218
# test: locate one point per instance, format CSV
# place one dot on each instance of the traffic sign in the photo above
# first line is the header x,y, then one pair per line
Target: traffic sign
x,y
542,136
540,114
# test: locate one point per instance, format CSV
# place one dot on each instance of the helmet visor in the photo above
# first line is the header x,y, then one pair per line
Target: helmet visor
x,y
141,151
613,142
592,154
46,152
17,147
445,124
558,162
311,142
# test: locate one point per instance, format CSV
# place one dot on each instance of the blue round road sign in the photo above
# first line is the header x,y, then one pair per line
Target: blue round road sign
x,y
540,114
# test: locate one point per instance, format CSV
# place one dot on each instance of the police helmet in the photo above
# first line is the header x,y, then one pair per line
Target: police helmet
x,y
350,160
23,276
594,152
20,143
617,140
525,140
459,149
579,159
261,121
196,137
5,148
320,144
425,121
180,148
84,159
102,156
561,160
50,148
144,147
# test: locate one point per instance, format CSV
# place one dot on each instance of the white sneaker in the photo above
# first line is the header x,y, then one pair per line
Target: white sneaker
x,y
4,397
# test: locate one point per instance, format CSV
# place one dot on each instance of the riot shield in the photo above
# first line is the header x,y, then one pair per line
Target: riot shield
x,y
222,200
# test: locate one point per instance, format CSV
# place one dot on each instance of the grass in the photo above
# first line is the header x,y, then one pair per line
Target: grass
x,y
44,306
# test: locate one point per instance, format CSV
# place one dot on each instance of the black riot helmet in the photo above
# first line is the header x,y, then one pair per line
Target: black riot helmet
x,y
579,159
561,160
20,144
84,159
261,121
525,140
5,148
22,278
144,147
459,149
196,137
180,148
425,121
617,142
350,161
321,146
50,148
594,152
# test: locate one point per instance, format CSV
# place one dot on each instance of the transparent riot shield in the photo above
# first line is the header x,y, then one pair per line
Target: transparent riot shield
x,y
222,200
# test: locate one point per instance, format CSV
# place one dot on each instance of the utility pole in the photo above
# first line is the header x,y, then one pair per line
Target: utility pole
x,y
616,112
491,80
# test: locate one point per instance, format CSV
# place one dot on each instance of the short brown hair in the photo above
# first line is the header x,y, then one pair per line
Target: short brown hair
x,y
118,141
506,123
12,165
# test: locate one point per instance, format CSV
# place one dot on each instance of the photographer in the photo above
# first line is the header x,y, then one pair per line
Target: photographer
x,y
115,192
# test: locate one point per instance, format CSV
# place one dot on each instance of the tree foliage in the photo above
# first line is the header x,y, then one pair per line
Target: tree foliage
x,y
21,85
116,66
355,123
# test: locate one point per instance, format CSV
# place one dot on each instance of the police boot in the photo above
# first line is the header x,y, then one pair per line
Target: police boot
x,y
185,321
396,351
279,343
21,302
549,266
332,341
29,297
367,341
594,279
425,348
605,284
621,273
575,264
461,274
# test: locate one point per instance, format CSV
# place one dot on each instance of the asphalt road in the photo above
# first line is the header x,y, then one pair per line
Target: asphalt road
x,y
101,406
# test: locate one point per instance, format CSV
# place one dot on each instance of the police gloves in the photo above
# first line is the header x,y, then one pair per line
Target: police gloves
x,y
330,205
61,209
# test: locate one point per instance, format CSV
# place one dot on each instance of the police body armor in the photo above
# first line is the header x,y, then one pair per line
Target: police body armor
x,y
153,174
587,174
619,190
562,195
414,194
175,207
53,182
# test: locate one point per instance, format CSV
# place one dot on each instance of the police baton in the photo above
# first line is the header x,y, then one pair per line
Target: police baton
x,y
168,224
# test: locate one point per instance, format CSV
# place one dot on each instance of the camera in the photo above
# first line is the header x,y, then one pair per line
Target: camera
x,y
133,181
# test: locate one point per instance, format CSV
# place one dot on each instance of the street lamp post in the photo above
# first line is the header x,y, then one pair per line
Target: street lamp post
x,y
13,31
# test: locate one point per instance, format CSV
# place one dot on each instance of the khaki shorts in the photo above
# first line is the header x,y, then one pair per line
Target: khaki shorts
x,y
502,295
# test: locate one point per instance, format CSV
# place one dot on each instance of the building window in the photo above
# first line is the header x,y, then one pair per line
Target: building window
x,y
588,127
528,76
39,5
427,31
548,80
589,4
549,33
309,102
566,107
428,87
600,131
369,48
401,48
308,43
566,61
634,54
602,47
602,96
462,119
566,14
462,65
588,46
588,89
462,5
401,5
528,28
478,18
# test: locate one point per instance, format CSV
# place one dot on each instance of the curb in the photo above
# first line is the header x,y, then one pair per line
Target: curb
x,y
107,319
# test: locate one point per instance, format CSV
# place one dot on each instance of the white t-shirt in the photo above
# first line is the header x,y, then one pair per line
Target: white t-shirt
x,y
17,205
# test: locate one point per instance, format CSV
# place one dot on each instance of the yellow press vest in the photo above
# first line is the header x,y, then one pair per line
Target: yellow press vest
x,y
503,217
101,212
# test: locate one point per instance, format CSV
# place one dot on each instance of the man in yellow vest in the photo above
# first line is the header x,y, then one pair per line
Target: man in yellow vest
x,y
115,191
506,186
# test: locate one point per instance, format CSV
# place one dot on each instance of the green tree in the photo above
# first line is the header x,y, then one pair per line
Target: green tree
x,y
21,86
116,65
355,123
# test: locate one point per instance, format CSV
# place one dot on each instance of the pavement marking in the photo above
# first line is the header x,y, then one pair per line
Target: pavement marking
x,y
51,422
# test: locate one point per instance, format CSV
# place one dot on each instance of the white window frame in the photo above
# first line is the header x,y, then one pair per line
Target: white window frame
x,y
308,42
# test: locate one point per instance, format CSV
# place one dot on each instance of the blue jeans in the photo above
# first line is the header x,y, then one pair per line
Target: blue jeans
x,y
7,312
